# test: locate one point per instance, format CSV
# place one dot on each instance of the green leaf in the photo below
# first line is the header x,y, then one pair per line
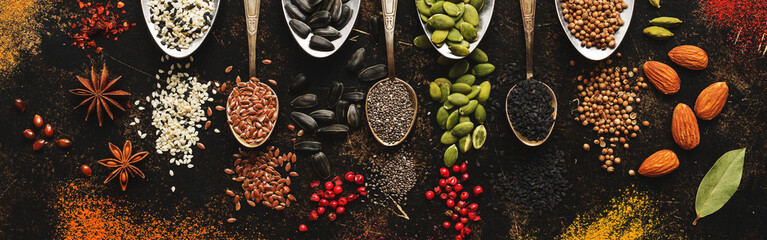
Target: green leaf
x,y
720,183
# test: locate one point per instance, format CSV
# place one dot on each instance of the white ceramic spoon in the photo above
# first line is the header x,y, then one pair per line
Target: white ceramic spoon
x,y
485,14
173,52
594,53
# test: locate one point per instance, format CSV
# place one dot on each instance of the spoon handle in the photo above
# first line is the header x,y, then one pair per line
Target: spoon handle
x,y
389,8
252,7
528,21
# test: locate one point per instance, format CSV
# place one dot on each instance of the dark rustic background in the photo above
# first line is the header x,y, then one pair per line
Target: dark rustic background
x,y
42,80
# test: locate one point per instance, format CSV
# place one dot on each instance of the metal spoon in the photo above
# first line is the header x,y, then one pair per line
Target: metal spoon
x,y
345,31
252,8
528,21
173,52
593,53
485,14
389,8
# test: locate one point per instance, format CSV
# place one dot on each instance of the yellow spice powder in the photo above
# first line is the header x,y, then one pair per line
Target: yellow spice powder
x,y
18,29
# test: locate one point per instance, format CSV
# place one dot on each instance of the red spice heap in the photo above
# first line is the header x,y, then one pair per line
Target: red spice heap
x,y
102,21
745,19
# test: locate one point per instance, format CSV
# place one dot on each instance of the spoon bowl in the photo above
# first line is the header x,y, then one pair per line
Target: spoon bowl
x,y
239,138
173,52
337,43
521,137
594,53
413,99
485,14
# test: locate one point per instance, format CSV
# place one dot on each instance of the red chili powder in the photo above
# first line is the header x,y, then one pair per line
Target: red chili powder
x,y
746,21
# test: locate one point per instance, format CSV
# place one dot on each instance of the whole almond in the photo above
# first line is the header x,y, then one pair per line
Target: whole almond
x,y
684,127
663,77
711,100
689,56
659,163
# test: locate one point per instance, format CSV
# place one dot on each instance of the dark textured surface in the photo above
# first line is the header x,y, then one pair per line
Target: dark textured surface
x,y
42,80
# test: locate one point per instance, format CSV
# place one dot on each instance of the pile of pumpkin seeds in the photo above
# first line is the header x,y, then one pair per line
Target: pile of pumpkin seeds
x,y
453,22
462,112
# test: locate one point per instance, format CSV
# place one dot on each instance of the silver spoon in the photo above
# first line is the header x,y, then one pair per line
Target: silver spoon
x,y
528,21
485,14
173,52
252,8
337,43
593,53
389,8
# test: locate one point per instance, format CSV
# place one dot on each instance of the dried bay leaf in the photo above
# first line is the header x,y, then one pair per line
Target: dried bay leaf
x,y
720,183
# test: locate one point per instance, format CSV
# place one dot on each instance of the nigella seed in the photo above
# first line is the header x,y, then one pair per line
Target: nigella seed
x,y
334,95
341,108
299,83
307,146
308,100
373,73
323,116
294,12
356,60
304,121
320,44
353,117
354,96
300,28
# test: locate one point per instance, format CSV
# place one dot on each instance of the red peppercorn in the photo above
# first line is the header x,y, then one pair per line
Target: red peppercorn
x,y
332,216
48,130
458,187
464,220
38,121
452,181
342,201
333,204
337,181
442,182
320,210
85,170
352,197
429,195
39,144
458,226
450,203
465,177
473,207
361,191
443,196
359,179
329,185
19,105
454,216
449,189
452,195
340,210
464,195
437,190
313,215
323,203
477,191
29,134
314,197
458,237
349,177
456,168
464,211
338,189
460,204
471,215
444,172
464,167
446,224
329,194
303,228
465,231
476,219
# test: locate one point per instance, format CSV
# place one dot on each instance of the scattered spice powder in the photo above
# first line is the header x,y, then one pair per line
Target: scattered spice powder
x,y
102,20
745,20
19,22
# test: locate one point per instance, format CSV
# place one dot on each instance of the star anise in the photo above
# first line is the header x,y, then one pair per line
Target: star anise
x,y
96,91
122,162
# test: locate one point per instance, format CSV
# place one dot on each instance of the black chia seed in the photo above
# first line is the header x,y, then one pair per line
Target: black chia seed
x,y
390,110
530,110
392,175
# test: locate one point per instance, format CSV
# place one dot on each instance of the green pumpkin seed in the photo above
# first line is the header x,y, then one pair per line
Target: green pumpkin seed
x,y
460,88
442,115
422,42
422,7
468,31
667,22
477,4
655,3
451,9
467,79
479,136
452,120
439,36
441,22
458,24
484,92
436,8
479,114
451,155
434,91
430,2
458,69
439,45
469,108
483,69
448,138
445,92
454,35
657,33
478,56
459,50
463,119
462,129
458,99
474,92
447,105
464,144
463,44
470,15
460,12
444,61
442,81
